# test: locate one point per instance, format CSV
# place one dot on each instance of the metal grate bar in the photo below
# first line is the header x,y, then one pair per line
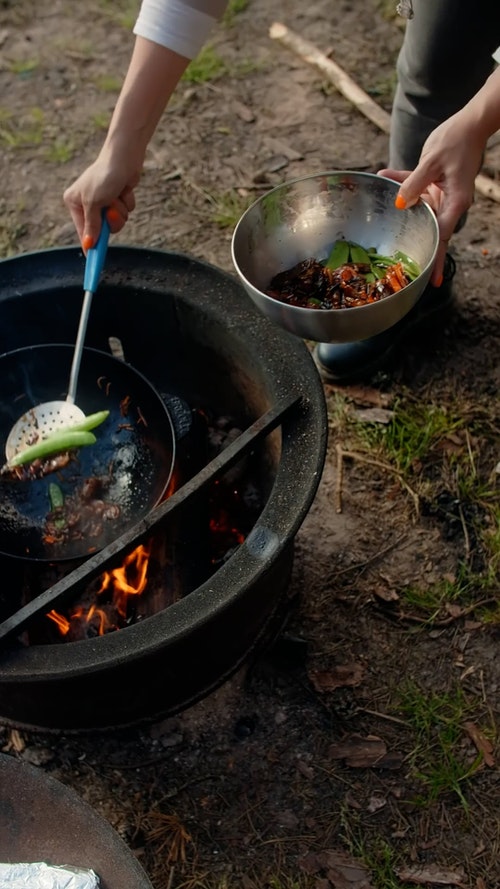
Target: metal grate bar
x,y
113,554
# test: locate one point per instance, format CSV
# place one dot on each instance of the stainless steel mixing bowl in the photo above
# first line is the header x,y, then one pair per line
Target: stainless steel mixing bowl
x,y
302,218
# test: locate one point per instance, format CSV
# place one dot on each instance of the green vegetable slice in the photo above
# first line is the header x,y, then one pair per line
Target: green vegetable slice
x,y
410,267
53,444
339,255
359,254
88,423
56,498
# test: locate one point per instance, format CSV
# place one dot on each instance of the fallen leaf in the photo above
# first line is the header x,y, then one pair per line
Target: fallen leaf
x,y
481,743
278,146
309,863
373,415
305,769
287,819
350,800
345,872
375,804
369,752
473,625
451,445
432,873
339,677
244,112
386,595
365,395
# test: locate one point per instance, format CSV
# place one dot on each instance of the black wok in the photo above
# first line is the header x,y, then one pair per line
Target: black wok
x,y
133,455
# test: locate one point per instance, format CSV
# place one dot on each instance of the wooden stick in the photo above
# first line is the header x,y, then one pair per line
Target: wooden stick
x,y
348,88
340,474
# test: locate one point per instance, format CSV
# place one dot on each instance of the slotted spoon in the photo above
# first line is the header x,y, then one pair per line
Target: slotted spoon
x,y
43,420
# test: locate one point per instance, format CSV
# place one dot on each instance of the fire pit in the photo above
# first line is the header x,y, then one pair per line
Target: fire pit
x,y
192,332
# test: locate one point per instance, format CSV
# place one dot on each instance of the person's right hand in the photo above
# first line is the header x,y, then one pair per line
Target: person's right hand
x,y
450,160
107,183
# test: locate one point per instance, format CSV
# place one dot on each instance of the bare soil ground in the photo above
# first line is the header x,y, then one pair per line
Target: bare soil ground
x,y
360,751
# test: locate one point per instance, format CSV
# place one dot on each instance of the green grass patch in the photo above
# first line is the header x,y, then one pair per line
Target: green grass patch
x,y
23,67
413,435
74,46
123,12
100,121
439,760
24,131
60,151
108,83
383,90
382,862
233,9
207,66
10,234
227,207
443,457
375,854
468,590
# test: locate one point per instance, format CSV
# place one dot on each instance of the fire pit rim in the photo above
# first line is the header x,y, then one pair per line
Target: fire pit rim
x,y
243,568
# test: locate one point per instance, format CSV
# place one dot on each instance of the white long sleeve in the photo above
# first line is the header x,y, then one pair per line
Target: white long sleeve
x,y
181,25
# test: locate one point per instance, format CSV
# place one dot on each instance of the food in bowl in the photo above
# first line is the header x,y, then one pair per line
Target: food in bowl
x,y
302,218
350,276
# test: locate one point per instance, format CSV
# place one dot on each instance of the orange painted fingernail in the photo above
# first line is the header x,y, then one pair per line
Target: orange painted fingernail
x,y
439,281
400,202
112,215
87,242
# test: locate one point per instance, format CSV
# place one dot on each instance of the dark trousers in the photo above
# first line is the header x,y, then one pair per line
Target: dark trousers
x,y
445,58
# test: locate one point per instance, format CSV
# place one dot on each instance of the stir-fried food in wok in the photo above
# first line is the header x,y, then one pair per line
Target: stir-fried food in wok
x,y
38,468
80,516
350,277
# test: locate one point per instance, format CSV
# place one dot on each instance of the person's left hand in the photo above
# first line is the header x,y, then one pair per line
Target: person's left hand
x,y
444,177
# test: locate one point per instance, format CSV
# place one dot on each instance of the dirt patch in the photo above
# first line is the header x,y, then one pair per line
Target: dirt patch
x,y
250,787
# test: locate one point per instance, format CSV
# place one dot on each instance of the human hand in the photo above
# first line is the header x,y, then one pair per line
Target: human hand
x,y
444,177
104,184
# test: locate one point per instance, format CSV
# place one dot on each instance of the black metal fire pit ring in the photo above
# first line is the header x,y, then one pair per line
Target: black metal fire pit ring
x,y
199,333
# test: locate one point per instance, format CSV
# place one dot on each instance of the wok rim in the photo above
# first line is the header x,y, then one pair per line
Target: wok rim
x,y
26,557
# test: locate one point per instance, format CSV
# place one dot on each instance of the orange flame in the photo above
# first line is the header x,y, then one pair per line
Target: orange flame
x,y
129,579
61,622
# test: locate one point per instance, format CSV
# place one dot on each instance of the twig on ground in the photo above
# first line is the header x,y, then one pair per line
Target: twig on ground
x,y
383,716
353,93
386,467
467,554
339,479
446,621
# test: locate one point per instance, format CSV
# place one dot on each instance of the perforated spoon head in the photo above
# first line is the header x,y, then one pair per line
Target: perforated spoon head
x,y
40,422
